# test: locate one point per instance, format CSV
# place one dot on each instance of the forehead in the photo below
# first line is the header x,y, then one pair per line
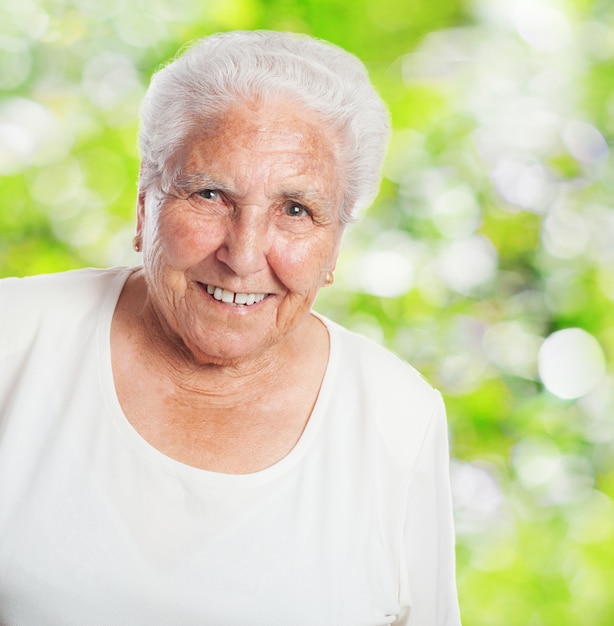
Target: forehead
x,y
266,143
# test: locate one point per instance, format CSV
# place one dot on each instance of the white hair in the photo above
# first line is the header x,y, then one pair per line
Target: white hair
x,y
221,70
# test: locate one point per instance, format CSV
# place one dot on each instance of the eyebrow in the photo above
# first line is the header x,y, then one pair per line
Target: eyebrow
x,y
193,182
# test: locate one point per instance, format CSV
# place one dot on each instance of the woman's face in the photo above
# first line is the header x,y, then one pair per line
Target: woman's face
x,y
237,248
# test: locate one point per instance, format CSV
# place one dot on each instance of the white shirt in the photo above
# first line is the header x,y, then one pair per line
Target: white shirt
x,y
353,527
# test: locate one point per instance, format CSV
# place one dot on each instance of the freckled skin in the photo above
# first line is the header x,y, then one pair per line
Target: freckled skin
x,y
244,235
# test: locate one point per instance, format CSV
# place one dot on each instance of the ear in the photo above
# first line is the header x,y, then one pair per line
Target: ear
x,y
140,212
141,200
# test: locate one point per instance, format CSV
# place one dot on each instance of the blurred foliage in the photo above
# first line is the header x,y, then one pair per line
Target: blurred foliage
x,y
487,261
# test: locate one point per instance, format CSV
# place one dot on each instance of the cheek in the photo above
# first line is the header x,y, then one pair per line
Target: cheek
x,y
183,242
302,265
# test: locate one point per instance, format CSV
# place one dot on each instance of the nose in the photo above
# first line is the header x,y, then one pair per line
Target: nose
x,y
246,242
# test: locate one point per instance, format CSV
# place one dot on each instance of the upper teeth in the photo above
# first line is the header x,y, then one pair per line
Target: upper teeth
x,y
230,297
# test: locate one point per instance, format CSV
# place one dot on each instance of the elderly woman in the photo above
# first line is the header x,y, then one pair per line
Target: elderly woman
x,y
187,442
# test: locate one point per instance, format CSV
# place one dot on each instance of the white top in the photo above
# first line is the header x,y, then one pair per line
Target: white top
x,y
353,527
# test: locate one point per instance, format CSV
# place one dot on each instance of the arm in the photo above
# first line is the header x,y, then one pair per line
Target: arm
x,y
428,582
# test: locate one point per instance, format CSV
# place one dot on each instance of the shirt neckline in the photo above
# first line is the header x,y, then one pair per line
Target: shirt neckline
x,y
157,459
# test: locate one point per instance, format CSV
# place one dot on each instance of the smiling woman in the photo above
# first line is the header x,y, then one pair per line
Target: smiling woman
x,y
239,236
203,448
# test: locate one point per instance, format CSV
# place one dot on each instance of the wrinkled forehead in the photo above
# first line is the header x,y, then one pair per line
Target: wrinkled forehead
x,y
271,141
264,126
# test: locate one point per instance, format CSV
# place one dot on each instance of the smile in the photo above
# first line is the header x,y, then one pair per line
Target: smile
x,y
230,297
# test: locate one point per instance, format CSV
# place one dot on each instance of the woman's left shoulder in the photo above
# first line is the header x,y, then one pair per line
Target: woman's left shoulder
x,y
381,368
396,400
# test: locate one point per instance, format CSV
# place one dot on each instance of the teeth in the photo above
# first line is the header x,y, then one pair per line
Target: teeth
x,y
230,297
227,296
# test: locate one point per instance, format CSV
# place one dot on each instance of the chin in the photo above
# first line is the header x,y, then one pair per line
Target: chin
x,y
234,353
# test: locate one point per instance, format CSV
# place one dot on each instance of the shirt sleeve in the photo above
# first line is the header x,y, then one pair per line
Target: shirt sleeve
x,y
428,575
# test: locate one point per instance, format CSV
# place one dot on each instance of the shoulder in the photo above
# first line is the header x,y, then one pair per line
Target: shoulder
x,y
53,288
400,404
61,292
28,304
383,371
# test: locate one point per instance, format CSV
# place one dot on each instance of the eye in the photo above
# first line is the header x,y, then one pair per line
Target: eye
x,y
209,194
296,210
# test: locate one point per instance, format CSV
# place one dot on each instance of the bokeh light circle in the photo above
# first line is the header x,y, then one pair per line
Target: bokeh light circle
x,y
571,363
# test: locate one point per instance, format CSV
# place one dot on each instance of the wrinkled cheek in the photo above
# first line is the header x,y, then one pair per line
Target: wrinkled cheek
x,y
303,276
306,269
173,243
165,279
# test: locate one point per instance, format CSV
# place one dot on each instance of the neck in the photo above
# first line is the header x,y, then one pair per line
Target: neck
x,y
234,418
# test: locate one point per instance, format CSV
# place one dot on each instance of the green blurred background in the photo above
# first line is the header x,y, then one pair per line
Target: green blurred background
x,y
487,261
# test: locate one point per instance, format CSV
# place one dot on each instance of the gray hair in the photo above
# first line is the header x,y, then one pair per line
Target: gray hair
x,y
221,70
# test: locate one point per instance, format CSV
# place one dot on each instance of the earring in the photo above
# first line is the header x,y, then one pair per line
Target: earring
x,y
330,279
136,243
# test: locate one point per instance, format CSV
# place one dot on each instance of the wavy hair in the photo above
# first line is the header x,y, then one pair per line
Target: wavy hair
x,y
244,66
